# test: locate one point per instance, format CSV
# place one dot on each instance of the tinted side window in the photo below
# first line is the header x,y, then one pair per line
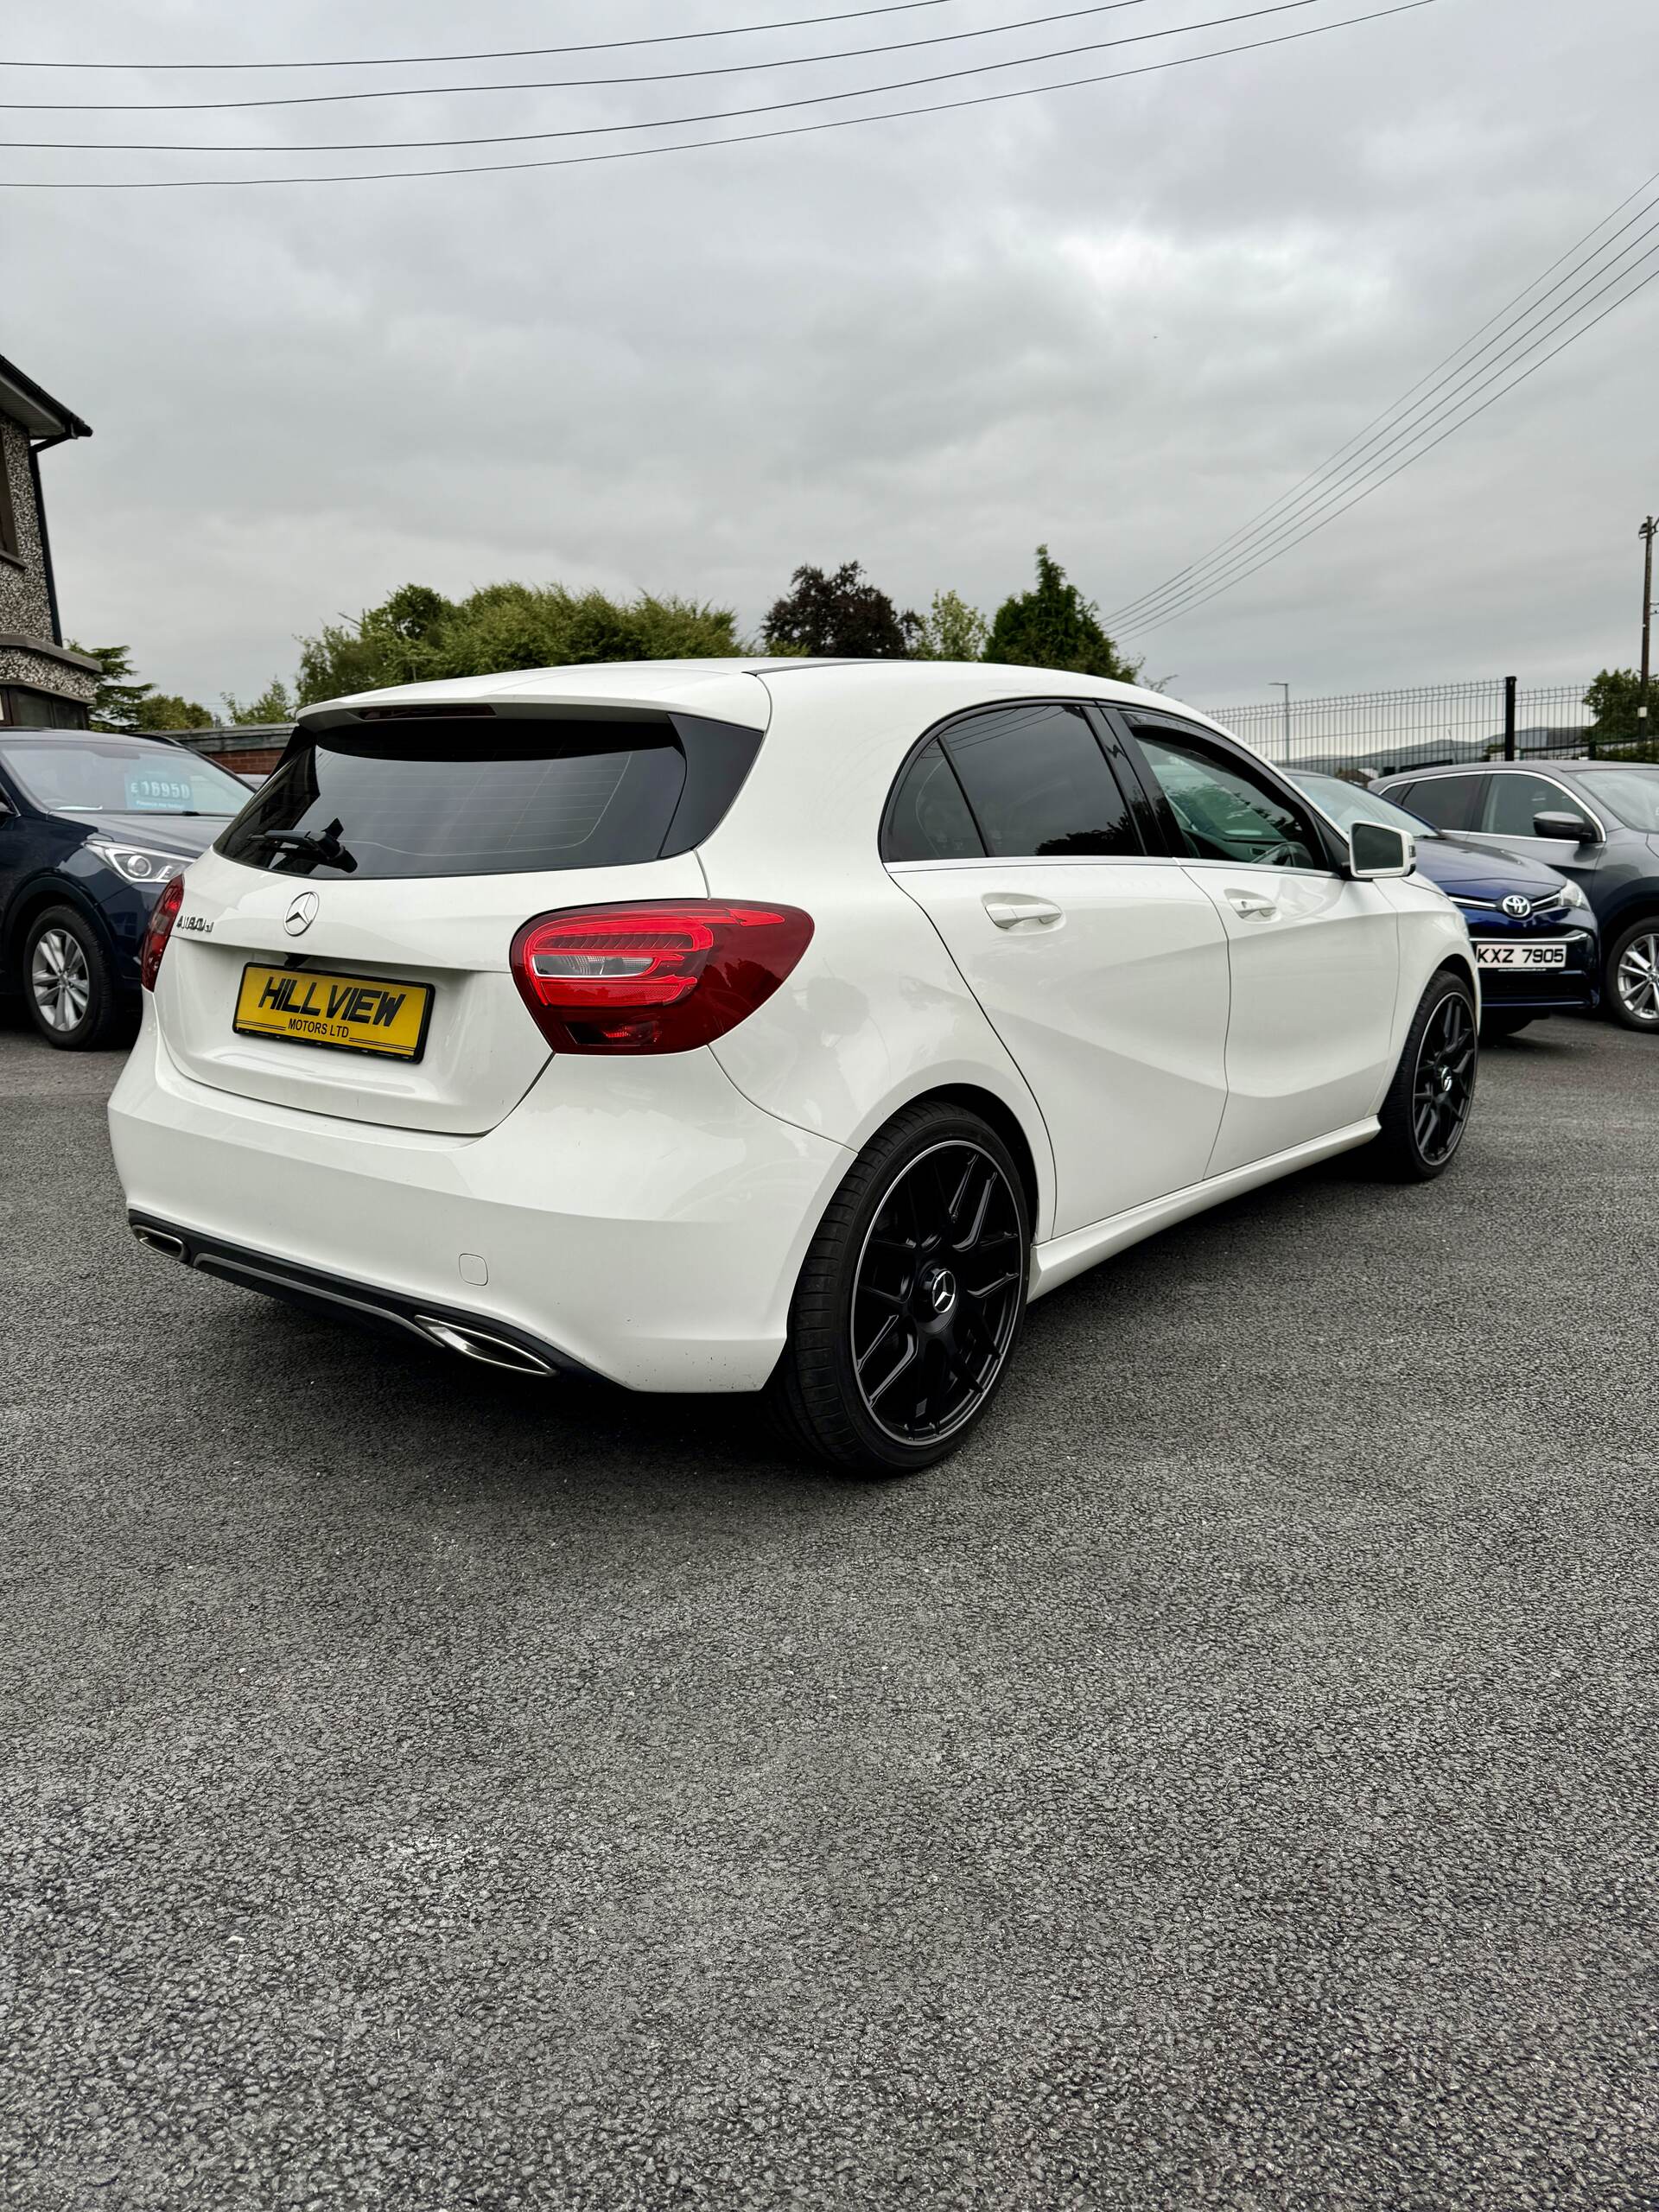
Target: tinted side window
x,y
1221,811
1446,802
1039,784
929,819
1511,802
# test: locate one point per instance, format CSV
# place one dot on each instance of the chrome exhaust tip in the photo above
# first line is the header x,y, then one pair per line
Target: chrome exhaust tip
x,y
479,1344
159,1240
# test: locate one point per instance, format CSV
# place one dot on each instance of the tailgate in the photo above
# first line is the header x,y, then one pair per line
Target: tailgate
x,y
345,948
480,1051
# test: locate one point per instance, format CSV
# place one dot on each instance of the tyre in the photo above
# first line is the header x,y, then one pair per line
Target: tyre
x,y
911,1299
1427,1109
1494,1025
1632,993
68,985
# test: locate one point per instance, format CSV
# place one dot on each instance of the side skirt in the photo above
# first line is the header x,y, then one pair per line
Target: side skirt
x,y
1062,1257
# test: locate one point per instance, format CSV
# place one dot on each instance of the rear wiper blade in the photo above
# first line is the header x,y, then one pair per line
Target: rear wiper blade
x,y
320,844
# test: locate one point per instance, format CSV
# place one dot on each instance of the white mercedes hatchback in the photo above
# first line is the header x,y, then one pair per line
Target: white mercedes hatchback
x,y
768,1026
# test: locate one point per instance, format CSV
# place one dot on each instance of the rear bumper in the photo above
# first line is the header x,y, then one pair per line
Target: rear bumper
x,y
646,1225
497,1343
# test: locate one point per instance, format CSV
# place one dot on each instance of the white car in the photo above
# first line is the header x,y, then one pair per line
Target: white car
x,y
780,1025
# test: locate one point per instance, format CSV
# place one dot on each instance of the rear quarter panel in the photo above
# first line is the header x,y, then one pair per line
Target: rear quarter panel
x,y
876,1014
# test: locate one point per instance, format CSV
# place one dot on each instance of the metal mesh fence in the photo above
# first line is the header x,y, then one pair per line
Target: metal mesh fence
x,y
1427,726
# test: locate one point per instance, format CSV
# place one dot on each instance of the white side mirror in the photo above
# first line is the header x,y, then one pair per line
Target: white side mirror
x,y
1375,849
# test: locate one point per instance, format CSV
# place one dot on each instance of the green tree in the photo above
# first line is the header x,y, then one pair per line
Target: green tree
x,y
273,705
418,636
119,697
1613,699
951,630
842,617
1055,627
167,710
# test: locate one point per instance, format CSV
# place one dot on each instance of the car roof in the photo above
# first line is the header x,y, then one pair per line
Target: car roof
x,y
1576,767
1533,767
742,690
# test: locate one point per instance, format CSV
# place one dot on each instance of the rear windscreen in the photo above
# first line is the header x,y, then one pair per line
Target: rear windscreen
x,y
476,796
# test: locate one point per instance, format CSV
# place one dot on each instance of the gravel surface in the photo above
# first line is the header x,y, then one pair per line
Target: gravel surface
x,y
1232,1781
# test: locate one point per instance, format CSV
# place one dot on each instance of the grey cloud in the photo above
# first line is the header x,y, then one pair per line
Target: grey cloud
x,y
1119,320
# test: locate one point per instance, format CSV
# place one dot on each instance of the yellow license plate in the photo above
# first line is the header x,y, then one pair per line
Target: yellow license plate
x,y
348,1013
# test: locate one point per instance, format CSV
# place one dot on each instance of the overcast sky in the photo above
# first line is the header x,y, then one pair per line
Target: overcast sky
x,y
1119,318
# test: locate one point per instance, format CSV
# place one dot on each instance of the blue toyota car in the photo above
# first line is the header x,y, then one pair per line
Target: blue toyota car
x,y
92,826
1536,942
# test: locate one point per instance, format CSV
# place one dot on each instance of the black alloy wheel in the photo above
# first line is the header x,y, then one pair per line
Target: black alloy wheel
x,y
1422,1119
1444,1088
938,1293
911,1299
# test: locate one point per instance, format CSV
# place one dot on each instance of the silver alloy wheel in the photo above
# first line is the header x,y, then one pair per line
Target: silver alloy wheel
x,y
60,979
1638,978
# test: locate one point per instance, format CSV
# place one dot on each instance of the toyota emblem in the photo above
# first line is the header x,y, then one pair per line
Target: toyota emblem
x,y
1517,906
302,912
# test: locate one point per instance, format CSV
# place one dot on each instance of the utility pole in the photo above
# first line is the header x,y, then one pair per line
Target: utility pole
x,y
1282,686
1646,533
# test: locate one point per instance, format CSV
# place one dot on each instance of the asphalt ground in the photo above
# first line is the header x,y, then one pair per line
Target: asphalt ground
x,y
1232,1781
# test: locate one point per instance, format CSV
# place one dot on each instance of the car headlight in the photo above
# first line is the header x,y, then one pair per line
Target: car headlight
x,y
1571,895
138,863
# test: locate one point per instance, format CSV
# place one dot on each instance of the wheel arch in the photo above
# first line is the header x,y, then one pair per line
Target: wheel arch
x,y
1032,1156
1642,905
1639,915
31,902
1465,970
1001,1117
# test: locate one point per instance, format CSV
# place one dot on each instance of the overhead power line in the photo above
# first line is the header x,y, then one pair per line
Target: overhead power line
x,y
1339,484
1248,528
501,53
1143,629
1319,520
705,145
667,122
1262,524
565,84
1361,488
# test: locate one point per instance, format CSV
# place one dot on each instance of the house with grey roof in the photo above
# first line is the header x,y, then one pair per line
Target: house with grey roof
x,y
42,681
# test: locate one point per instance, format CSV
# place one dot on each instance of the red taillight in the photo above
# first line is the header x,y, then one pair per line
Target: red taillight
x,y
653,977
163,915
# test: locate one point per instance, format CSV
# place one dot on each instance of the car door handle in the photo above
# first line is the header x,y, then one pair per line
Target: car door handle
x,y
1252,905
1011,910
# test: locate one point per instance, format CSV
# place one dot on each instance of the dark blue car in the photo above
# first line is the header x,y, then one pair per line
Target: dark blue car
x,y
1597,821
91,827
1536,941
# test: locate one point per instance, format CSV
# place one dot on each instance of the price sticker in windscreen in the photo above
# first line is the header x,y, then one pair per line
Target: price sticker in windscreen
x,y
149,793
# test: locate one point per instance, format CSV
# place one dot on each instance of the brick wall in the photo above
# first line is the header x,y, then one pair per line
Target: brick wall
x,y
245,749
